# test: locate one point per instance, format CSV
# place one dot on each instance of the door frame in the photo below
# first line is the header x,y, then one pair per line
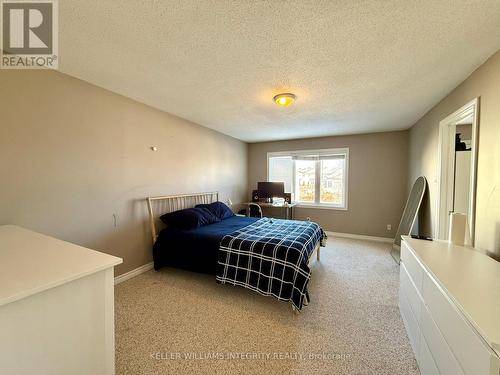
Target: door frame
x,y
447,130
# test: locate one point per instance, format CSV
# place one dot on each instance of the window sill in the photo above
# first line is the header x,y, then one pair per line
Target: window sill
x,y
321,206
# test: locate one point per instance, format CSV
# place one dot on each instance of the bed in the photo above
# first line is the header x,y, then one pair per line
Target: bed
x,y
269,256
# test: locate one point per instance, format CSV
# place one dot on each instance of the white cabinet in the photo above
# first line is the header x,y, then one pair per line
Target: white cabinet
x,y
56,306
452,315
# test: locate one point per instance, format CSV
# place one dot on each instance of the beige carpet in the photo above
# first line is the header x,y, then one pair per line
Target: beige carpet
x,y
175,322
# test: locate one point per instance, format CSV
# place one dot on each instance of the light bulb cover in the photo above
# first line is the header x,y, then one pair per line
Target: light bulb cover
x,y
285,99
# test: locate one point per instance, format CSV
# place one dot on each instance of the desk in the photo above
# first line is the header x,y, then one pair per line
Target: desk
x,y
286,207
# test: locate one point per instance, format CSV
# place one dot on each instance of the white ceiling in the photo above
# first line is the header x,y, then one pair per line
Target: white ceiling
x,y
355,66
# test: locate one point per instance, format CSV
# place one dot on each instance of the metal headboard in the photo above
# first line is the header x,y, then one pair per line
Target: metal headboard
x,y
158,206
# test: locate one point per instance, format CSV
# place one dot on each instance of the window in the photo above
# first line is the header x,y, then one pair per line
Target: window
x,y
315,177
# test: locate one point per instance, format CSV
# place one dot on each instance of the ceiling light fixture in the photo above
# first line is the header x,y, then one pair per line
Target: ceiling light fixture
x,y
285,99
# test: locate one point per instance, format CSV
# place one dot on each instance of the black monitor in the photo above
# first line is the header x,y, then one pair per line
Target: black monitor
x,y
271,189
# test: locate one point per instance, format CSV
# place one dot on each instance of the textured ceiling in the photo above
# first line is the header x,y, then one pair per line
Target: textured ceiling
x,y
355,66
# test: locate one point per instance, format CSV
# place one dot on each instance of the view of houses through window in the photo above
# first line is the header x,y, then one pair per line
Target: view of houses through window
x,y
305,181
316,178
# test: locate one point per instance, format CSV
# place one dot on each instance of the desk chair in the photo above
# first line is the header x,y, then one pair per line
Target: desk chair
x,y
254,210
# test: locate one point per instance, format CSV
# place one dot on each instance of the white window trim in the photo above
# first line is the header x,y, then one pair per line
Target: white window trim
x,y
327,151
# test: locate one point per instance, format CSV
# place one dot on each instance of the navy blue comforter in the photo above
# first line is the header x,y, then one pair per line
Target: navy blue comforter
x,y
195,250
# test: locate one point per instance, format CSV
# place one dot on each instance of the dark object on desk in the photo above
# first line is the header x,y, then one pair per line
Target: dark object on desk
x,y
268,190
255,196
409,215
259,197
420,237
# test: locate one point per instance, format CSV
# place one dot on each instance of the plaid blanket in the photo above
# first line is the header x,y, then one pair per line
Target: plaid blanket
x,y
270,257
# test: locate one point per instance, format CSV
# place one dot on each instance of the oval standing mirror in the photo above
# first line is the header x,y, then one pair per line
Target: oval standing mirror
x,y
409,215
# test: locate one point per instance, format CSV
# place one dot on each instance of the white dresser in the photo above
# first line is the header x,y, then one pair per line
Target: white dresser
x,y
450,303
56,306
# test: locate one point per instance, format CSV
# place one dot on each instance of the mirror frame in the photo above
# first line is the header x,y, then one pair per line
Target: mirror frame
x,y
396,244
444,173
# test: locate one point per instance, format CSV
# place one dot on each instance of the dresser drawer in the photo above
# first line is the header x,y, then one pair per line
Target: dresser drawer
x,y
426,364
410,323
412,266
471,352
441,352
410,291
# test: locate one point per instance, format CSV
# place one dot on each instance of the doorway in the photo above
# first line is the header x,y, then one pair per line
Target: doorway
x,y
458,140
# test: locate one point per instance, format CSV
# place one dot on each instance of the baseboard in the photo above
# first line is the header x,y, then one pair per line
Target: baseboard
x,y
137,271
360,237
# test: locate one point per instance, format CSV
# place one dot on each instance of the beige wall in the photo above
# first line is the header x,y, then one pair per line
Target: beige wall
x,y
73,155
423,145
377,180
465,132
